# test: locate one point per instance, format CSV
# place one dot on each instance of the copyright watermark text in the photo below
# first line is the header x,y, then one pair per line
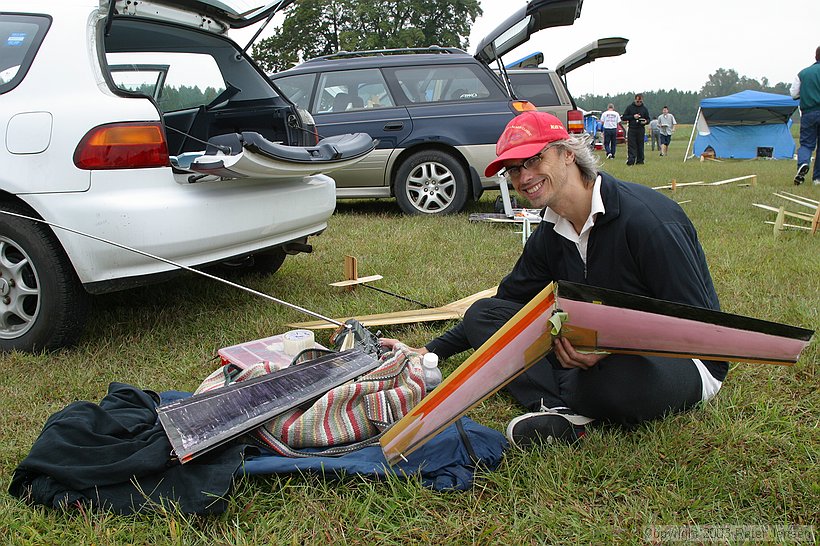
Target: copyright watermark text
x,y
775,534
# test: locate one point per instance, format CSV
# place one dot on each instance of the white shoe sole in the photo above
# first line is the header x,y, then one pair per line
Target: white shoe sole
x,y
575,419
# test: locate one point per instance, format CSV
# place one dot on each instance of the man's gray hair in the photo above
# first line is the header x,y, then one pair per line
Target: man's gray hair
x,y
587,161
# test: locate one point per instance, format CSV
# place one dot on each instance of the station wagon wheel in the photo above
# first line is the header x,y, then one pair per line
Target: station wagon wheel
x,y
431,182
43,306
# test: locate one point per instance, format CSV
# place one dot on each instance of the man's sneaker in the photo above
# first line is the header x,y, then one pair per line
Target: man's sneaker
x,y
816,181
546,427
802,170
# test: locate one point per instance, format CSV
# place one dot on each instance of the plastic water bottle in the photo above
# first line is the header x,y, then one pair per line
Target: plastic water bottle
x,y
432,373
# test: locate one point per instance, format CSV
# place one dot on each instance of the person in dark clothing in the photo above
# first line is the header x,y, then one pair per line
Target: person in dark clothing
x,y
603,232
636,116
806,87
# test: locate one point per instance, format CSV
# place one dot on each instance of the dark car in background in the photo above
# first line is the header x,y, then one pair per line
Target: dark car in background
x,y
437,112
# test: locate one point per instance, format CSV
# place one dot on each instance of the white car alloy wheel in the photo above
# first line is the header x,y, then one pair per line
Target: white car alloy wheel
x,y
19,290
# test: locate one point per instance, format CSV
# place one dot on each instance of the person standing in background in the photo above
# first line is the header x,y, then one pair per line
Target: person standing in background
x,y
654,133
666,126
806,87
610,120
637,116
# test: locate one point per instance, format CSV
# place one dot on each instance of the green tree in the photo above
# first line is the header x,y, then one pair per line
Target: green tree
x,y
725,82
322,27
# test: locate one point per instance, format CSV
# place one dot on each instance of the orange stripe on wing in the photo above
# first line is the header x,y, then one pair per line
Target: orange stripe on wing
x,y
448,387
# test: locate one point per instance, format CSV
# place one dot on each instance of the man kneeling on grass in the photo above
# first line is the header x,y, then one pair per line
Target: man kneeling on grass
x,y
599,231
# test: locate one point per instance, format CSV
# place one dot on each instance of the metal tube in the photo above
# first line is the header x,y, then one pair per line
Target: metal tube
x,y
181,266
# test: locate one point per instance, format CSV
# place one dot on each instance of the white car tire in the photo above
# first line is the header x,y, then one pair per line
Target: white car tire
x,y
43,306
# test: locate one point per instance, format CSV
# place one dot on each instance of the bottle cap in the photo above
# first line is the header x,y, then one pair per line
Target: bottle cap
x,y
430,360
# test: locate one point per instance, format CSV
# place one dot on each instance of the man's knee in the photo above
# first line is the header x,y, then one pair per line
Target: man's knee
x,y
485,317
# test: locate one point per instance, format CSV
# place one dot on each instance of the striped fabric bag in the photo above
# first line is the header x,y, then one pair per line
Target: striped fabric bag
x,y
347,417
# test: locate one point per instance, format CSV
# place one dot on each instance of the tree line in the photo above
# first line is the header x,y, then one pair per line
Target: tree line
x,y
684,104
322,27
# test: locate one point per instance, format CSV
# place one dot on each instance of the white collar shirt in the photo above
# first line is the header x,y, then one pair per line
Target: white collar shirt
x,y
564,228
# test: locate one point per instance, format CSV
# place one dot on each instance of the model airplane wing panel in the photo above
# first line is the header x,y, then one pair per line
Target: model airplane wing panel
x,y
524,340
638,332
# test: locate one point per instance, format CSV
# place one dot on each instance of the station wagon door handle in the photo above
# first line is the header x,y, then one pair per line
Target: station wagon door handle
x,y
394,126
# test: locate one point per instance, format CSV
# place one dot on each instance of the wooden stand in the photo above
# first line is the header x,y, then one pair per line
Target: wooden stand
x,y
352,275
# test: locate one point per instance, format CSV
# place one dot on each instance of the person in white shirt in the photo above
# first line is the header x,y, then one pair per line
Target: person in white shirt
x,y
610,120
666,126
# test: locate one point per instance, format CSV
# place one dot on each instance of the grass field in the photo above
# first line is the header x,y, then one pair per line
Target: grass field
x,y
748,458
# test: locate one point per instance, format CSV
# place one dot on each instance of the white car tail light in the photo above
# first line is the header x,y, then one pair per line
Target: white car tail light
x,y
123,146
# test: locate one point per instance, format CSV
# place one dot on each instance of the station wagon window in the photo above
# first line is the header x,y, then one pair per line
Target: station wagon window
x,y
536,88
176,81
297,88
345,90
422,84
20,38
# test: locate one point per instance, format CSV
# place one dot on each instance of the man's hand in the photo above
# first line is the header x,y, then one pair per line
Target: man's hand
x,y
568,357
390,344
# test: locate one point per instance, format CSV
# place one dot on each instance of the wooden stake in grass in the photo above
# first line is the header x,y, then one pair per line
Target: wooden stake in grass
x,y
352,275
353,280
351,268
674,185
778,223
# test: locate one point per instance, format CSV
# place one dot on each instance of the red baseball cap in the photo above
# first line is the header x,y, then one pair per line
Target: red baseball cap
x,y
526,135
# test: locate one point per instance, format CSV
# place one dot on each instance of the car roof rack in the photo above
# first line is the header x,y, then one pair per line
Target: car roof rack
x,y
382,52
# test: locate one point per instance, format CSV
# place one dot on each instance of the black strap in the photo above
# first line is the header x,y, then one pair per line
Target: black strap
x,y
465,438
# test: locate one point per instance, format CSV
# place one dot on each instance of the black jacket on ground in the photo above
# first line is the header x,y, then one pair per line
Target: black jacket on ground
x,y
643,244
116,456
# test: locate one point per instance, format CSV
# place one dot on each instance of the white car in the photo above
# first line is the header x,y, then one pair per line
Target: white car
x,y
143,124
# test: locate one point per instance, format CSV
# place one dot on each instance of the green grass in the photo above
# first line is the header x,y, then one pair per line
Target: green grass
x,y
749,457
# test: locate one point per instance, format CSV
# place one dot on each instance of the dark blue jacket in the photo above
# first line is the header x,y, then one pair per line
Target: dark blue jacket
x,y
629,115
643,244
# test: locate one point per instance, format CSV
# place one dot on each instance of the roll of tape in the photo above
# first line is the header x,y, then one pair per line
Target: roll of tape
x,y
297,341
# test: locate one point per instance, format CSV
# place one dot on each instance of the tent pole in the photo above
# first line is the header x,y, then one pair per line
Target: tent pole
x,y
692,136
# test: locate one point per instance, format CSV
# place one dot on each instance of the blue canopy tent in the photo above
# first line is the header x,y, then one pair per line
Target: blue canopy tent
x,y
745,125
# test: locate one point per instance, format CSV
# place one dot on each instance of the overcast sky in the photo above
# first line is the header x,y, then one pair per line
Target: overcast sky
x,y
673,44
